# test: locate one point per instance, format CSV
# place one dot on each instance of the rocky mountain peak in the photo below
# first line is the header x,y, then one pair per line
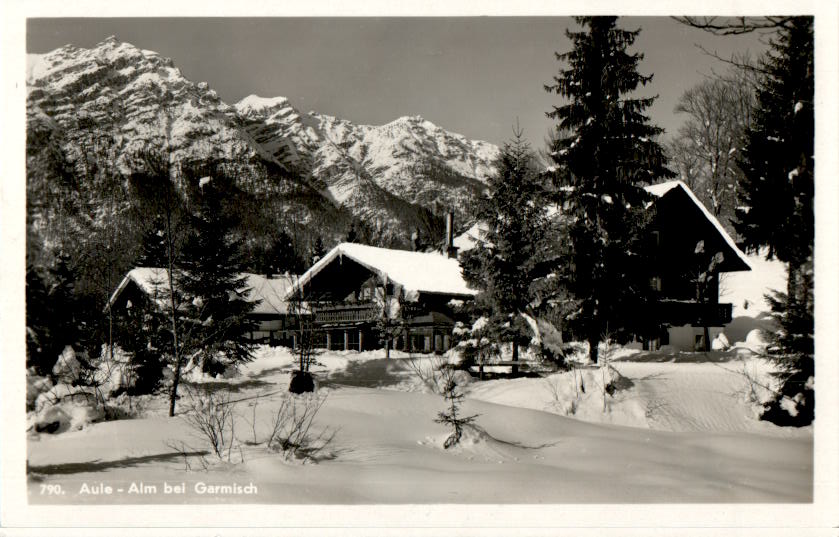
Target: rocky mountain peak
x,y
397,174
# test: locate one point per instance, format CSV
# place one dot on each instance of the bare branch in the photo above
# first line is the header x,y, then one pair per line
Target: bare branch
x,y
735,61
735,25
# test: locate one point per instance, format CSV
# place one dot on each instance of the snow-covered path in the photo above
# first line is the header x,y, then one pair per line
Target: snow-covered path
x,y
692,397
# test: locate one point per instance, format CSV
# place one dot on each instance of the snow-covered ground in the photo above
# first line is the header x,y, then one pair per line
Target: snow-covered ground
x,y
678,428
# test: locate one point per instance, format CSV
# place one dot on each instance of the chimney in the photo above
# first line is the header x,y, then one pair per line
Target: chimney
x,y
451,251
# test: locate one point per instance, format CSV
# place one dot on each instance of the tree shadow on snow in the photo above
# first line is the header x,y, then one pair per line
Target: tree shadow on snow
x,y
99,466
232,387
369,374
483,432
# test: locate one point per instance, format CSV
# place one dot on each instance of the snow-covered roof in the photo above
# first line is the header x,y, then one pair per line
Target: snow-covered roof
x,y
415,272
148,279
661,189
468,239
269,291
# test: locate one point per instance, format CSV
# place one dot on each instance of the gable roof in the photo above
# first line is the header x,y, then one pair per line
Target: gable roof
x,y
150,280
416,272
661,189
269,291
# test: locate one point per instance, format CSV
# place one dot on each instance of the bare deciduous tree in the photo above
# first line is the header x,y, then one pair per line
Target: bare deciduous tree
x,y
708,145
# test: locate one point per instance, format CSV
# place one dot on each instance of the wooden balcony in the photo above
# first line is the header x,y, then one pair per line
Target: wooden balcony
x,y
345,313
679,312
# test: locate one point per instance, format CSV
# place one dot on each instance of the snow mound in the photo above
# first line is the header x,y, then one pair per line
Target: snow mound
x,y
68,367
756,340
720,343
688,392
61,417
35,386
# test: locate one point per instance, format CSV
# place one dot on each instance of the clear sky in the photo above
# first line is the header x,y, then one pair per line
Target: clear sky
x,y
475,76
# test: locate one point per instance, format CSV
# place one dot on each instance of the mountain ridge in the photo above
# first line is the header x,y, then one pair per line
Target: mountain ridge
x,y
395,177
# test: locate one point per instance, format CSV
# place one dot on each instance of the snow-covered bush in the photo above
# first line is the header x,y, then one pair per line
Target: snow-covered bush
x,y
63,393
68,415
720,343
112,372
35,386
756,340
68,368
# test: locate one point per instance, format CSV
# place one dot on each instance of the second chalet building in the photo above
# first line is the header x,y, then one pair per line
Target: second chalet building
x,y
356,291
689,238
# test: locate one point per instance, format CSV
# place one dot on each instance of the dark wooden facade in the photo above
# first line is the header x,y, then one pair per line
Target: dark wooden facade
x,y
346,301
688,239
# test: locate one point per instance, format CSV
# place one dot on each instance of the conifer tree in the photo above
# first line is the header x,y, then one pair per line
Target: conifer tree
x,y
153,245
142,330
208,275
284,257
776,192
604,151
509,259
776,207
318,251
352,234
41,350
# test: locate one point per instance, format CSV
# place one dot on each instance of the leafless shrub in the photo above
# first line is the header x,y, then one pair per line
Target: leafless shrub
x,y
754,386
210,414
428,371
292,424
252,421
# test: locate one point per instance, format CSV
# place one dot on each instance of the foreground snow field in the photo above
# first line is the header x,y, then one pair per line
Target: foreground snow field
x,y
675,431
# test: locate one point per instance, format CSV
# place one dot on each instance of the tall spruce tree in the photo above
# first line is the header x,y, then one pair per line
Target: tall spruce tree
x,y
604,151
776,192
776,207
208,275
506,263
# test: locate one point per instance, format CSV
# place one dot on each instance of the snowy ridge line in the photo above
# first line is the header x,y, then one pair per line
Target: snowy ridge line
x,y
661,189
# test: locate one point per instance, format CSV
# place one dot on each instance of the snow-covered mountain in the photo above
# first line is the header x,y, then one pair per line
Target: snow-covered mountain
x,y
138,97
395,177
378,172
